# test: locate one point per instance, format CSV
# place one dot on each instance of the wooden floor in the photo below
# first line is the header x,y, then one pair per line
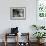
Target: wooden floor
x,y
13,44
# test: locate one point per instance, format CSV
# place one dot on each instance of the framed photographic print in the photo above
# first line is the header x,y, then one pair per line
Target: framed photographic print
x,y
17,13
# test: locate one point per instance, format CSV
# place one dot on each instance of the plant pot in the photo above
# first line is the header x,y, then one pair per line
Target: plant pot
x,y
40,40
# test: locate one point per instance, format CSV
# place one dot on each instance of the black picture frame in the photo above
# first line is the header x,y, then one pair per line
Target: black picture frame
x,y
17,13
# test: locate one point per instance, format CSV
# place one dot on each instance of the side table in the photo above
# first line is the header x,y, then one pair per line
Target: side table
x,y
8,34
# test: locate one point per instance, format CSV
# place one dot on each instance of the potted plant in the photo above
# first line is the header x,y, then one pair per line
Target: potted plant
x,y
35,26
39,35
38,27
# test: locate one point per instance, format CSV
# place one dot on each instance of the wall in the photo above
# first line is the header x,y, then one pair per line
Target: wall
x,y
24,25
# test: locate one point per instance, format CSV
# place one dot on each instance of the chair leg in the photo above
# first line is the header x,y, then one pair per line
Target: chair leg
x,y
5,43
5,40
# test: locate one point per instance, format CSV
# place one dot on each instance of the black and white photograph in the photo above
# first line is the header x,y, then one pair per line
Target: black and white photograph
x,y
17,13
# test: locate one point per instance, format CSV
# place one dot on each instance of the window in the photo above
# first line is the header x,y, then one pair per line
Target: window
x,y
41,8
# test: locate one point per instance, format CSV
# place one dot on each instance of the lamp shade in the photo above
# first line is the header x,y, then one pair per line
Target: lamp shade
x,y
14,30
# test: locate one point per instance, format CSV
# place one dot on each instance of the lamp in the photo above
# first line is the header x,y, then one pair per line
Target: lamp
x,y
14,30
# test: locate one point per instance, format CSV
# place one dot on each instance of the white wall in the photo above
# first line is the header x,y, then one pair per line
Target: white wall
x,y
24,25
